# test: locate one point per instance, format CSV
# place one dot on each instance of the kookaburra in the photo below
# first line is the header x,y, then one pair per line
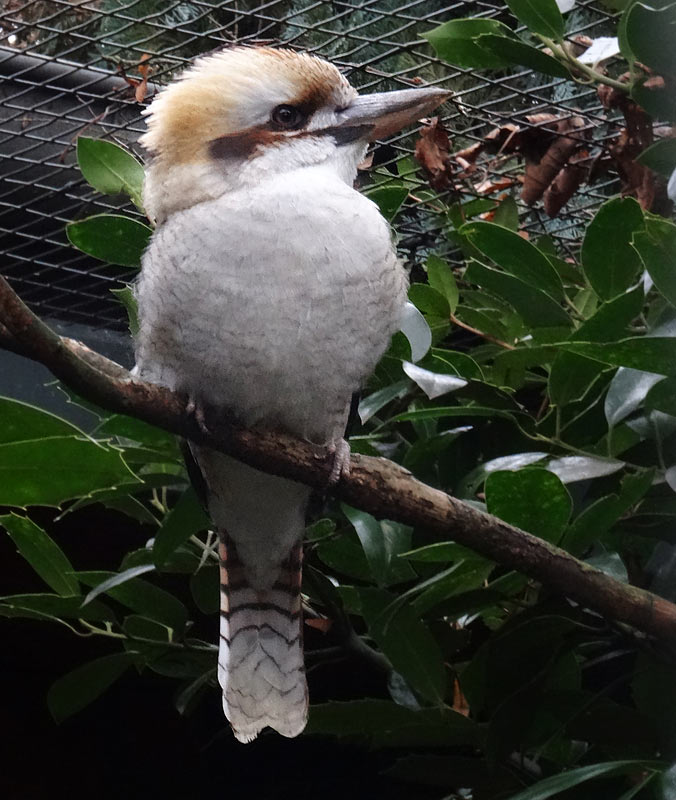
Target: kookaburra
x,y
269,291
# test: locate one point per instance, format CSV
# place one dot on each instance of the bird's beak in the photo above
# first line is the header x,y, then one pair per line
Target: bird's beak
x,y
376,116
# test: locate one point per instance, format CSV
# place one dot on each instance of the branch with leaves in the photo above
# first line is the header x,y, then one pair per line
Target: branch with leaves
x,y
378,486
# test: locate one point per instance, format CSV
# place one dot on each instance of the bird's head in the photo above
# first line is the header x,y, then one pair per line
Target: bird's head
x,y
244,114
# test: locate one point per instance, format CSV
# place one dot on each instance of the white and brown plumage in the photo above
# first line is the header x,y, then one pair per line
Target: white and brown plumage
x,y
270,290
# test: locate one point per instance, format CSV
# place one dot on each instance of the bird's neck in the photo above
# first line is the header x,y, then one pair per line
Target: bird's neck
x,y
174,187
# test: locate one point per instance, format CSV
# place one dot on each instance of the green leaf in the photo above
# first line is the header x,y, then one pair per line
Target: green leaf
x,y
441,278
407,643
372,404
127,297
455,42
507,214
549,787
83,685
571,375
142,597
185,519
138,627
656,245
42,553
111,237
50,471
536,309
522,54
136,430
382,542
515,255
510,496
22,422
53,607
439,553
389,199
387,724
662,397
609,261
204,586
345,556
429,300
110,168
660,157
541,16
647,353
650,34
117,580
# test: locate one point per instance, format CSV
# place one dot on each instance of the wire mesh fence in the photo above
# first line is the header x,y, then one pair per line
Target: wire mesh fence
x,y
72,68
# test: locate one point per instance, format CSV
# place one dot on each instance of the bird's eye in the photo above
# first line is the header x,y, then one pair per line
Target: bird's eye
x,y
287,117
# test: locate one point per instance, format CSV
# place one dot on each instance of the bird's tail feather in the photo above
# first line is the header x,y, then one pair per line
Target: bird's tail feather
x,y
260,663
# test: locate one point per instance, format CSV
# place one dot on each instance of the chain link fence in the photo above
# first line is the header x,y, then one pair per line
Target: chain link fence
x,y
72,68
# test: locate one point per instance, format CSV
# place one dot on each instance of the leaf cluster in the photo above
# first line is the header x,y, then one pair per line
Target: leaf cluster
x,y
535,383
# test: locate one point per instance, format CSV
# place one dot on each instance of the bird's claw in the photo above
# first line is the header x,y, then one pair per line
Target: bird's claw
x,y
340,450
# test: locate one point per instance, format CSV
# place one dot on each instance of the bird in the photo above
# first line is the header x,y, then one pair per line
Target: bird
x,y
268,292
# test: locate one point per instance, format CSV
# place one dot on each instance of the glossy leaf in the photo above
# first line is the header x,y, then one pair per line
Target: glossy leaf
x,y
53,607
140,596
416,330
110,168
434,384
185,519
660,157
83,685
650,35
127,297
455,42
117,580
111,237
610,263
541,16
649,354
50,471
389,199
42,553
535,308
387,724
510,496
571,375
441,278
407,643
371,404
22,422
515,255
382,543
522,54
656,245
550,787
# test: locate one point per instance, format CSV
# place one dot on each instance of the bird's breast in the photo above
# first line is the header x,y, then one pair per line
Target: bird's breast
x,y
274,304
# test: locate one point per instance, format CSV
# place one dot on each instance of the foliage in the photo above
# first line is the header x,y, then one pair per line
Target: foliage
x,y
547,398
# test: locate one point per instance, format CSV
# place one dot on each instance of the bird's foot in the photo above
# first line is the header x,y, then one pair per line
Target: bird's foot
x,y
195,409
340,450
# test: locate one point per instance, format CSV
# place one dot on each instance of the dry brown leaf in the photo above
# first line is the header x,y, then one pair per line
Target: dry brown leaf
x,y
460,704
319,623
540,173
566,183
432,151
491,185
144,71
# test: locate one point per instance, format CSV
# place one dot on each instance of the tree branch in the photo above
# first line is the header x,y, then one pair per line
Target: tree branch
x,y
375,485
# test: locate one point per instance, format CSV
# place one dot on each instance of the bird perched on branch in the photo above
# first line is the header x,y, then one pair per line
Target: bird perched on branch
x,y
269,291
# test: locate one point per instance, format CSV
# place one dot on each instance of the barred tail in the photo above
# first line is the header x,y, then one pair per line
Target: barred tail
x,y
260,664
